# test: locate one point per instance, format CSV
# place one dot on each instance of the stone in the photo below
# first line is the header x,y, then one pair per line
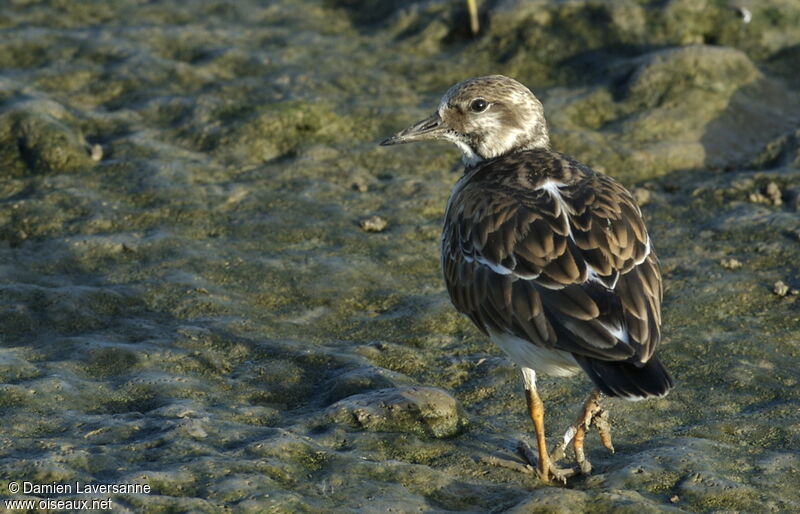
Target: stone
x,y
424,411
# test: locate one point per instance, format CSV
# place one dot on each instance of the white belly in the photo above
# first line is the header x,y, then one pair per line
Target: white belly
x,y
527,355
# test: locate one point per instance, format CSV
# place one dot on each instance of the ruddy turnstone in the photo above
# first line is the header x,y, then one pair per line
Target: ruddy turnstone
x,y
547,257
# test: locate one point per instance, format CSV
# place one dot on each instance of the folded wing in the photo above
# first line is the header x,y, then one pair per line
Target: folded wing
x,y
562,260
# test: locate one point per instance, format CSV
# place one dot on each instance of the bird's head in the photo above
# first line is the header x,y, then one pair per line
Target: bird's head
x,y
485,117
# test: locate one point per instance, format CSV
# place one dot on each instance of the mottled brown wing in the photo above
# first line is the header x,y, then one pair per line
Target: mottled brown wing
x,y
566,266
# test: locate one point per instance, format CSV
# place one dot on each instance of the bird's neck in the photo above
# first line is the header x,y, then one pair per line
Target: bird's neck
x,y
511,141
538,141
469,156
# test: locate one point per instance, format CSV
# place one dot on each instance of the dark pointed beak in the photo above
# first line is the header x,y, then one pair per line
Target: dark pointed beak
x,y
429,128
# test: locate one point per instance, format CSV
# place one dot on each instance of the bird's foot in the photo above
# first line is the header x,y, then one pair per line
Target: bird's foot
x,y
547,473
603,426
593,414
554,474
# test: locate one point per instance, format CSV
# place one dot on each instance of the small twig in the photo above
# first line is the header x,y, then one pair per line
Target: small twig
x,y
472,7
507,463
526,452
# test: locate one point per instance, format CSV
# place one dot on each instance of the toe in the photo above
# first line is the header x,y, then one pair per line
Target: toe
x,y
604,429
562,475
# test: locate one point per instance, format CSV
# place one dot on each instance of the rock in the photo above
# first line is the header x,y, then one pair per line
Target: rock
x,y
774,193
269,130
373,224
667,75
360,185
96,152
39,136
670,109
361,380
424,411
730,263
780,288
552,499
770,195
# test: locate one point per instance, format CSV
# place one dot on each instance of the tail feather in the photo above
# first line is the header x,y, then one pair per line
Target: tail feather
x,y
626,380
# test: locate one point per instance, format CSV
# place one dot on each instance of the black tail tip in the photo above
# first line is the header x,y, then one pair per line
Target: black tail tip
x,y
626,380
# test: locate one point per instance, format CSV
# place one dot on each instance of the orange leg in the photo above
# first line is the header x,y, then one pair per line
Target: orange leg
x,y
577,445
546,470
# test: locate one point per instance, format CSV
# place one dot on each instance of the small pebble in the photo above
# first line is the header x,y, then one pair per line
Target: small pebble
x,y
770,196
774,193
730,263
96,152
642,196
675,499
373,224
780,288
744,13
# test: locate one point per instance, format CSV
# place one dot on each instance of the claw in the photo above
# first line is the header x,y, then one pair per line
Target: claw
x,y
549,473
593,414
556,474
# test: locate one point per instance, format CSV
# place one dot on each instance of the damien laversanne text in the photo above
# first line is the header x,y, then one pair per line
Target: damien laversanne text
x,y
81,488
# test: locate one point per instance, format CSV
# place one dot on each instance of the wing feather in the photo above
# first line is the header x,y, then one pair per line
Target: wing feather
x,y
568,266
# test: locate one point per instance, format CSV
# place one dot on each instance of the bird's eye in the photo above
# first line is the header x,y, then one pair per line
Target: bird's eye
x,y
478,105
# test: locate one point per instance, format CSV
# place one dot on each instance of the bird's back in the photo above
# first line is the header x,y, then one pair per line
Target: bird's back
x,y
542,249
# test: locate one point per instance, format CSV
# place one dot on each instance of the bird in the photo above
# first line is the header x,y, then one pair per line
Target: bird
x,y
548,257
